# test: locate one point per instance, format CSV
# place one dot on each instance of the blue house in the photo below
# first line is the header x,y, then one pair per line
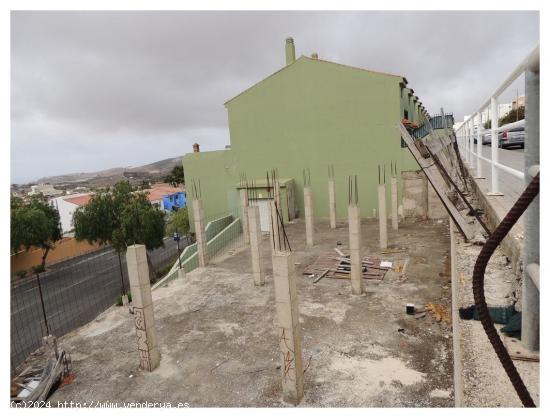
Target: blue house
x,y
167,197
173,202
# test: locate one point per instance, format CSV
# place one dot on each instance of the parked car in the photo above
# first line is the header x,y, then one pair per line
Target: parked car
x,y
512,138
486,139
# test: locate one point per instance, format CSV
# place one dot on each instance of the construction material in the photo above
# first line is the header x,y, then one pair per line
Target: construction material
x,y
339,267
34,384
440,313
323,274
436,180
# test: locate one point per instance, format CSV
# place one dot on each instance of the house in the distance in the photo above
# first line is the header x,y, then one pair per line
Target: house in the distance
x,y
46,189
66,206
167,197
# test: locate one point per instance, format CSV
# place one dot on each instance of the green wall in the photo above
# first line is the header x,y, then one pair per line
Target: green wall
x,y
310,114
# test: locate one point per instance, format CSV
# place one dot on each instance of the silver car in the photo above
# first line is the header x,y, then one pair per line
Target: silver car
x,y
512,138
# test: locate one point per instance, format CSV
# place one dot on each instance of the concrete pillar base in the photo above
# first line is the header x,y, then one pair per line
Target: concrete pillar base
x,y
144,320
288,324
354,222
308,211
394,216
202,248
382,216
243,193
256,245
332,203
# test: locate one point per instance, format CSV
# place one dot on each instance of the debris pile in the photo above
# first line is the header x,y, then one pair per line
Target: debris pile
x,y
338,266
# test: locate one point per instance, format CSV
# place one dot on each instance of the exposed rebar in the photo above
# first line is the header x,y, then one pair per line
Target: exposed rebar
x,y
483,258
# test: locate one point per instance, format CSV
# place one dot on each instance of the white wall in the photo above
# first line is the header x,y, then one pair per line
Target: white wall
x,y
66,210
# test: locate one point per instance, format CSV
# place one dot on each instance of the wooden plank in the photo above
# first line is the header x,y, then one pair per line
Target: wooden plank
x,y
434,177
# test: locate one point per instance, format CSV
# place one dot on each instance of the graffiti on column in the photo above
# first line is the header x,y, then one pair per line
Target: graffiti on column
x,y
287,355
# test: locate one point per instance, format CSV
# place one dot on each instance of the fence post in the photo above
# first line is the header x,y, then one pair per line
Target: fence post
x,y
530,294
494,148
479,170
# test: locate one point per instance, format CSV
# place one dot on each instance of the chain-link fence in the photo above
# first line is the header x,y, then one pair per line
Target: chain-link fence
x,y
73,292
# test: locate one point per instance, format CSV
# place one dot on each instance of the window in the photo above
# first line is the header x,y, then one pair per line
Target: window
x,y
406,114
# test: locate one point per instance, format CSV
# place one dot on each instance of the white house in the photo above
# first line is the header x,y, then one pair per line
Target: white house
x,y
66,206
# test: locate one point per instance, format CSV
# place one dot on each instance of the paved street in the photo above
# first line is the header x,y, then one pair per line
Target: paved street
x,y
511,186
74,292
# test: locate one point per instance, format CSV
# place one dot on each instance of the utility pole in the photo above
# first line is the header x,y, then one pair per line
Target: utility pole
x,y
177,238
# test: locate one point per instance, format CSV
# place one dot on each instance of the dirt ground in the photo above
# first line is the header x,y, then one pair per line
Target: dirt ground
x,y
485,381
218,337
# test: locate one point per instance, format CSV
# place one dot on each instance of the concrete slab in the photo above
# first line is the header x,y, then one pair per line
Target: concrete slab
x,y
218,336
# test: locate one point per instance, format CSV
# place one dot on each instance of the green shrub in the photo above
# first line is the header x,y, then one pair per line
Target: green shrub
x,y
39,268
119,299
21,274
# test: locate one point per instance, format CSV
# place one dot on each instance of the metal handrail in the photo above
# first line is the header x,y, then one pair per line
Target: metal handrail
x,y
469,129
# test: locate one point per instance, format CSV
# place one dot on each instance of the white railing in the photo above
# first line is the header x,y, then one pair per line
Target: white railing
x,y
473,127
530,320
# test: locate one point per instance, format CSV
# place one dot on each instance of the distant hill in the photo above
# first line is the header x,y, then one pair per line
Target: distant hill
x,y
152,171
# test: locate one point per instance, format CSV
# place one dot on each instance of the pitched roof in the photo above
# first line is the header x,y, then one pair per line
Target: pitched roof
x,y
303,57
158,191
79,200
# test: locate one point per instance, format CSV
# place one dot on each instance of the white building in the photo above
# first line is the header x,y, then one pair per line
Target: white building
x,y
46,189
66,206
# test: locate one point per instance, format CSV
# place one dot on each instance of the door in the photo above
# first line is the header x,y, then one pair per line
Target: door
x,y
263,204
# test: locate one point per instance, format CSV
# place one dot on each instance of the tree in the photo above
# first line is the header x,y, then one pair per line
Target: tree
x,y
512,116
176,176
178,222
34,224
120,217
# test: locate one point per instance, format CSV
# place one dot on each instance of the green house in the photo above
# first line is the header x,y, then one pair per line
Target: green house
x,y
310,114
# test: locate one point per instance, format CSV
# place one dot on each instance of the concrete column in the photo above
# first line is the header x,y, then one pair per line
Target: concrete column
x,y
144,320
273,230
244,214
382,216
394,220
332,203
354,222
530,302
289,332
256,245
202,249
308,211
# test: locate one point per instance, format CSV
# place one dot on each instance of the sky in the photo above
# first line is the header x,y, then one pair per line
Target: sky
x,y
92,90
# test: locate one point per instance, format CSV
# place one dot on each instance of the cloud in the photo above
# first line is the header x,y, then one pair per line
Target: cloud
x,y
92,90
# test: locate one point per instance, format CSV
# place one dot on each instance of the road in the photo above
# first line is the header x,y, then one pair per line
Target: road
x,y
74,292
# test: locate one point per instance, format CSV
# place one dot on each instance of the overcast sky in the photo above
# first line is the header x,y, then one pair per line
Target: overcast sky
x,y
95,90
